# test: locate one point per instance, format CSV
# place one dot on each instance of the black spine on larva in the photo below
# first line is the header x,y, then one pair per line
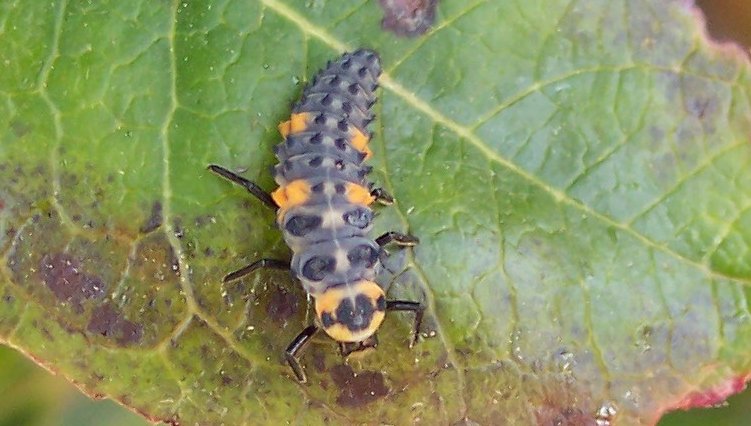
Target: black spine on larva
x,y
328,233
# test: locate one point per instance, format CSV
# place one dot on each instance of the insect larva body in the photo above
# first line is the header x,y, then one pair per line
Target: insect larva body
x,y
323,205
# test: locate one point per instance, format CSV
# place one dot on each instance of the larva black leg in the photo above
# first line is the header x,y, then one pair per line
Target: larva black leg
x,y
252,187
294,348
403,240
382,196
406,305
258,264
346,348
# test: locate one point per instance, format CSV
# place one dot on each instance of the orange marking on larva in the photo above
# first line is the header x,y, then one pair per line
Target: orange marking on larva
x,y
329,299
297,123
368,153
360,142
370,289
283,128
357,194
341,333
293,194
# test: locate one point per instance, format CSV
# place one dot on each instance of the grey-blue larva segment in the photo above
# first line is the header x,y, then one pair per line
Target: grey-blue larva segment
x,y
328,232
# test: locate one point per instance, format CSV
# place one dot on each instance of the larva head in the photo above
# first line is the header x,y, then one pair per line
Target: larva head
x,y
351,312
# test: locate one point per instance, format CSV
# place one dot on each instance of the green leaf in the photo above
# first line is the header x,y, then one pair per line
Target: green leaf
x,y
576,172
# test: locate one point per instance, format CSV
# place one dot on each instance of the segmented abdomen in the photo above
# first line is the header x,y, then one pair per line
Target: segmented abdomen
x,y
323,193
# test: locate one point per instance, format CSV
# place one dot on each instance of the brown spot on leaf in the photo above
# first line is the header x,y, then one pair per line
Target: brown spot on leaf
x,y
319,359
358,389
19,129
408,18
700,107
563,416
155,219
62,274
656,134
204,220
155,259
554,398
10,233
701,100
109,322
177,227
174,261
282,305
172,421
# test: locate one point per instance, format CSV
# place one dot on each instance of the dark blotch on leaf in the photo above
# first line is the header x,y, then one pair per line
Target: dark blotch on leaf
x,y
107,321
408,18
177,227
282,305
62,274
356,391
19,128
700,107
205,220
319,359
155,219
546,415
174,261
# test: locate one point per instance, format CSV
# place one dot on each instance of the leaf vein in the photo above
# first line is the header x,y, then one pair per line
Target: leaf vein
x,y
56,118
680,182
185,284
